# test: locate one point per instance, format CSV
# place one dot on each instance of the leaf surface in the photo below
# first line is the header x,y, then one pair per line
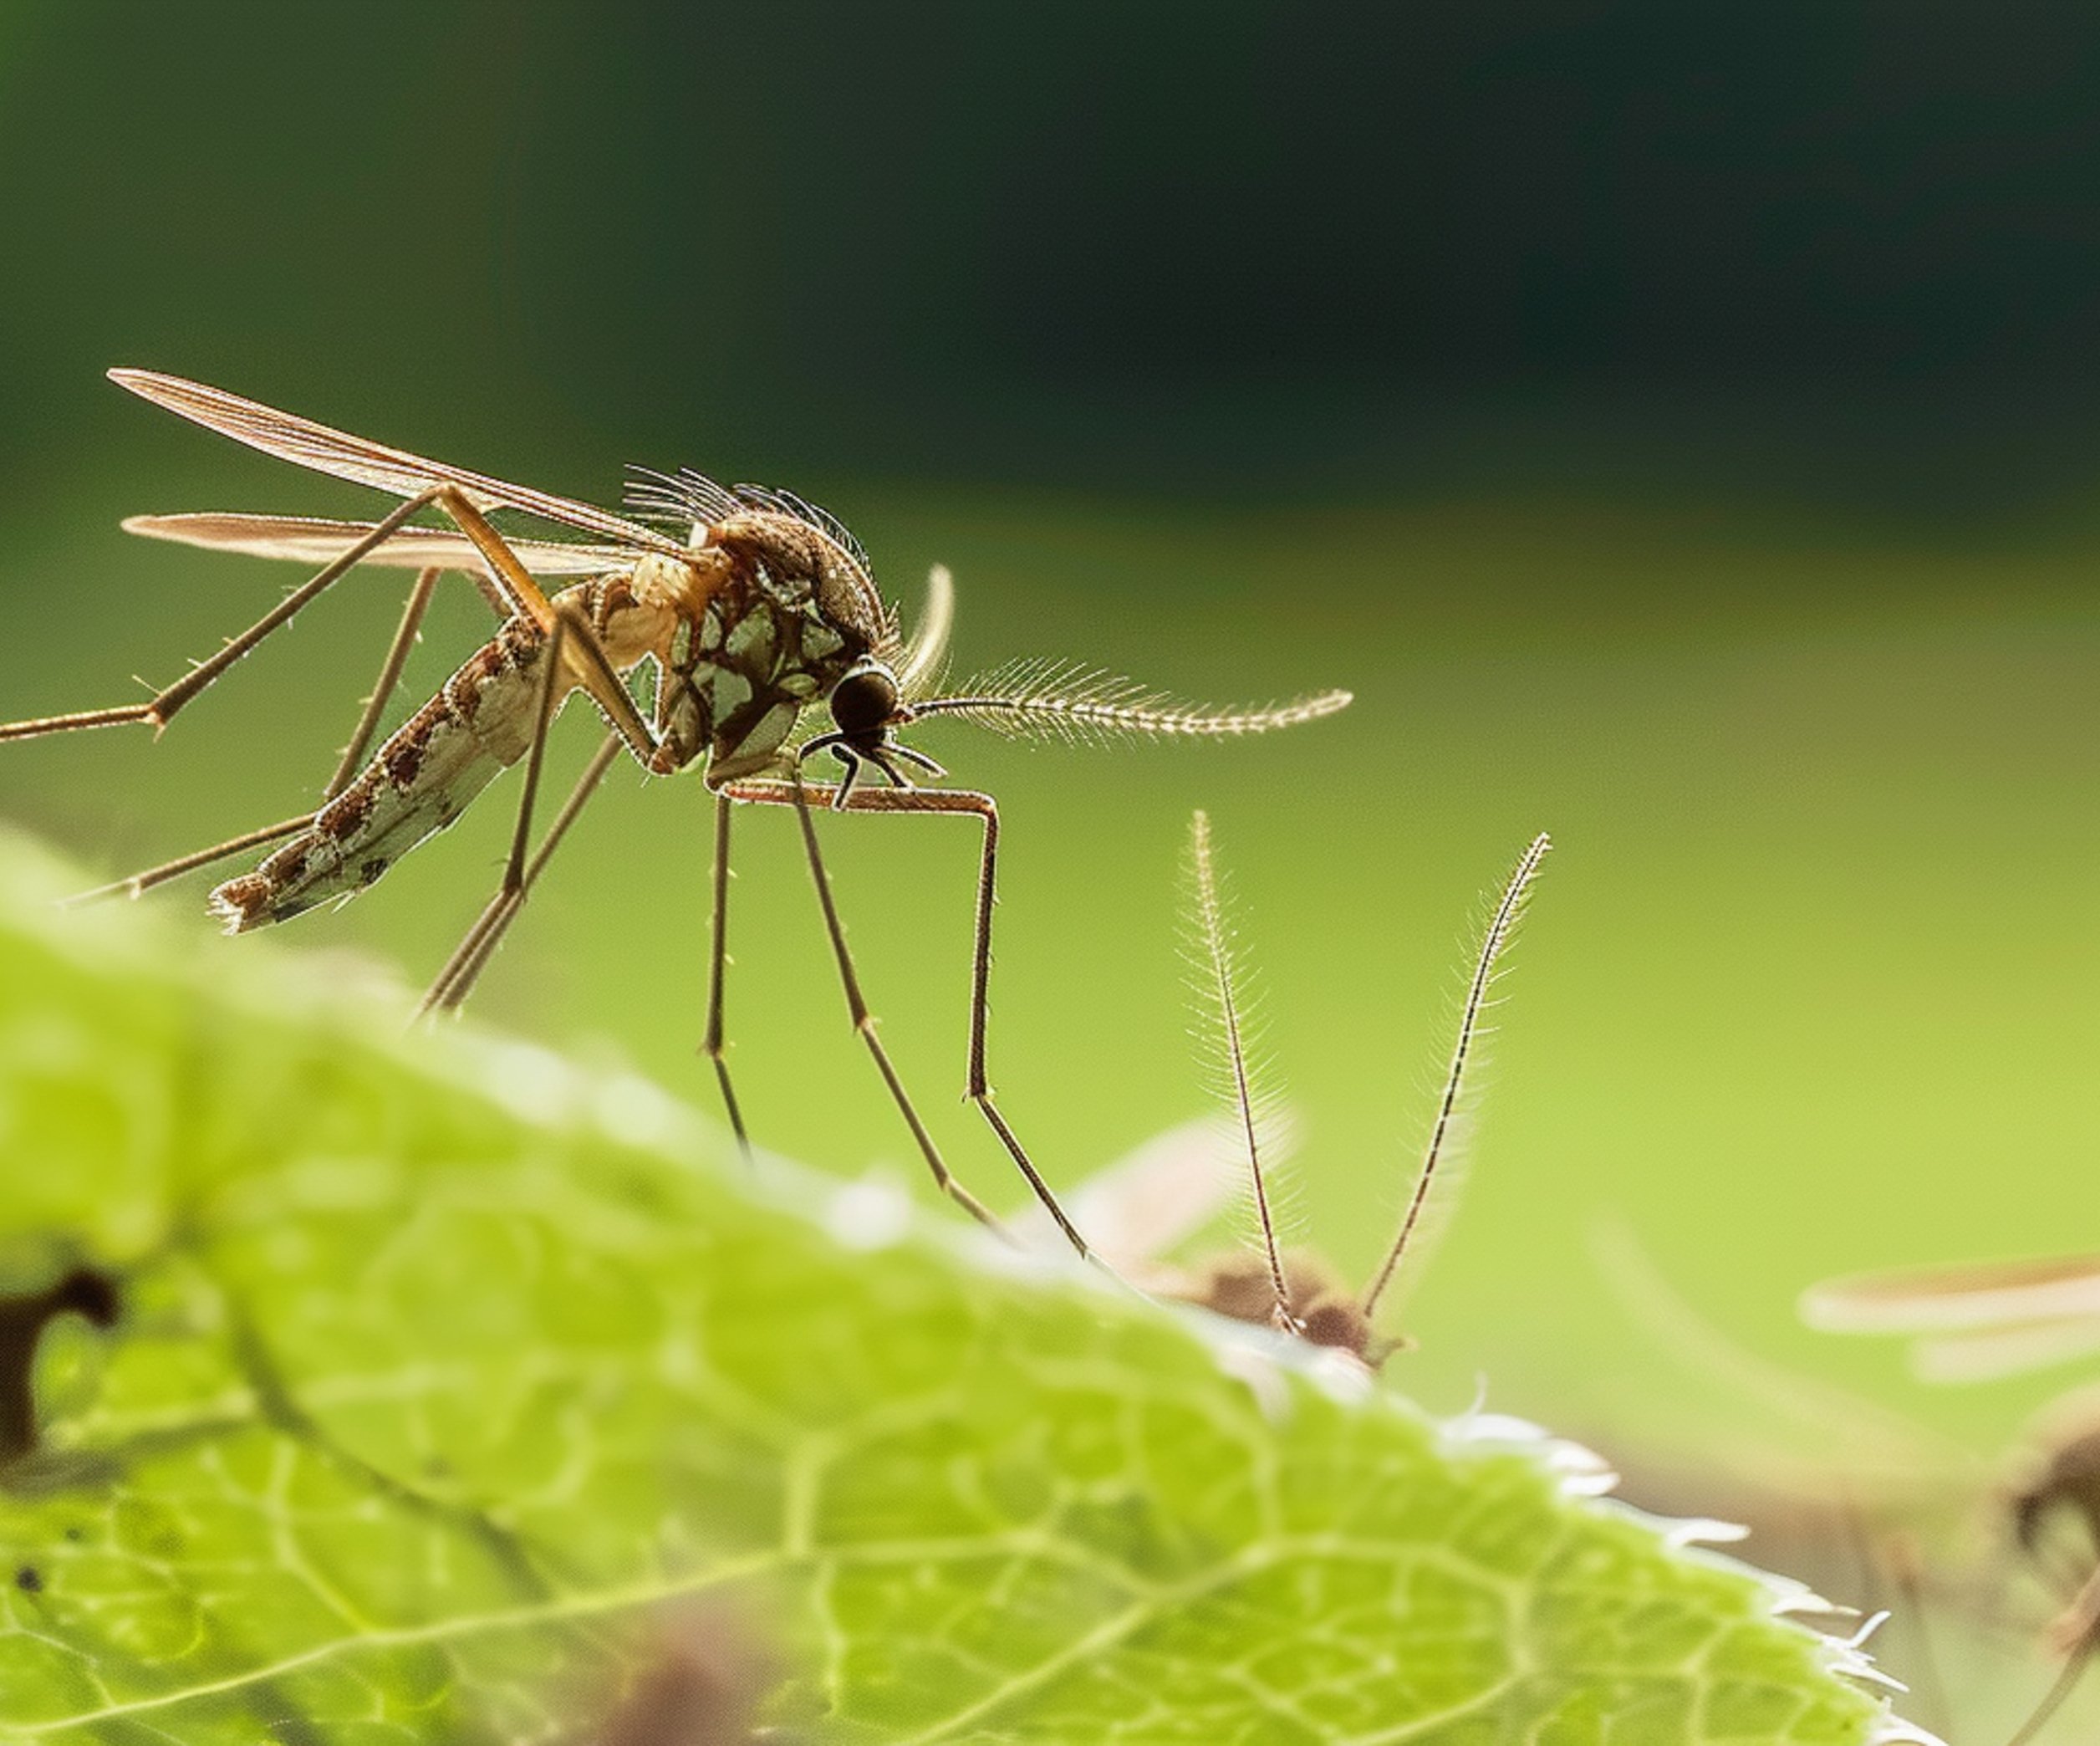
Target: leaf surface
x,y
456,1395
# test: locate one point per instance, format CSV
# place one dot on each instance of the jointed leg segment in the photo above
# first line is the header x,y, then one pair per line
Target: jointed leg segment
x,y
397,653
510,589
390,674
979,1091
463,969
162,709
716,1046
513,585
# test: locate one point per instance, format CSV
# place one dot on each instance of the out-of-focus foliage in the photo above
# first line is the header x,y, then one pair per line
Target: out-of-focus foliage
x,y
452,1397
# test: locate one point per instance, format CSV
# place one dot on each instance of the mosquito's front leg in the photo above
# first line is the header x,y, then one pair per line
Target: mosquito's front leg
x,y
979,1089
716,1046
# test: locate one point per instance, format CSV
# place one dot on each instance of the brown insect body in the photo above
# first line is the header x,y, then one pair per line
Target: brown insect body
x,y
781,613
1323,1309
763,619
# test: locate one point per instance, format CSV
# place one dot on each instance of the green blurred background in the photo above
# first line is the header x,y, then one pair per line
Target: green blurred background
x,y
1675,424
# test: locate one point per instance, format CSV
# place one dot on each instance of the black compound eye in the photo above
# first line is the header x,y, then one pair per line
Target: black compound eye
x,y
864,700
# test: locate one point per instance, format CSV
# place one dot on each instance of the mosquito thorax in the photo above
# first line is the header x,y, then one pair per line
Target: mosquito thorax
x,y
787,614
793,554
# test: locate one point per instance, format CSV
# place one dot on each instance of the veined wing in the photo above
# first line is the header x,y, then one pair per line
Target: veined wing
x,y
307,444
308,539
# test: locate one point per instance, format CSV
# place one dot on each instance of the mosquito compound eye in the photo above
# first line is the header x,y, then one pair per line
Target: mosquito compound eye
x,y
864,700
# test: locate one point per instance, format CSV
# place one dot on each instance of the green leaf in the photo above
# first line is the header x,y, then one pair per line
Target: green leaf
x,y
454,1395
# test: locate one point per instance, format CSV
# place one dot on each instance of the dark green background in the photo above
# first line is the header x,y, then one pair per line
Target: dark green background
x,y
1675,423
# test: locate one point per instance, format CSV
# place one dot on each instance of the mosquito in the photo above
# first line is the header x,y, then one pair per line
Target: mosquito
x,y
745,606
1295,1292
1980,1322
1147,1204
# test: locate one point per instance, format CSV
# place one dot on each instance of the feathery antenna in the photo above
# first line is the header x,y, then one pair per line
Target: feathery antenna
x,y
1507,913
1063,700
1219,996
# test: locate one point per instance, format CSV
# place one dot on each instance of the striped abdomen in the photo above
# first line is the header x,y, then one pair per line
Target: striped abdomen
x,y
481,722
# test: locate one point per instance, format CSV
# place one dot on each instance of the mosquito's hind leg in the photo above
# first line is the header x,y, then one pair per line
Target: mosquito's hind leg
x,y
457,980
389,676
463,969
137,884
923,800
716,1046
159,711
512,582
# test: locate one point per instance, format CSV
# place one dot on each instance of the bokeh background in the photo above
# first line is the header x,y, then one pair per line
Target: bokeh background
x,y
1677,425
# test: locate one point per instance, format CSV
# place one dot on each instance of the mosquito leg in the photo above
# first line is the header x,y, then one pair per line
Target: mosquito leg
x,y
529,601
138,884
925,800
864,1021
512,582
464,969
980,1084
397,652
715,1046
457,980
162,708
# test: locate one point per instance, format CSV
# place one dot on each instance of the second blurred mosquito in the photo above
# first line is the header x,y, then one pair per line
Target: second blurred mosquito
x,y
1154,1200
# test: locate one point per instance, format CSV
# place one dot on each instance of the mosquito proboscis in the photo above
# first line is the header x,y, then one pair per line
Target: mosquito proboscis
x,y
747,605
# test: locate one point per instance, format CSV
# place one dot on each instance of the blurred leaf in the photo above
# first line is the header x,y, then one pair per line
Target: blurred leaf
x,y
452,1396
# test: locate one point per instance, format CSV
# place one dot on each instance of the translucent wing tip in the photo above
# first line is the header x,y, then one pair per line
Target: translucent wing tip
x,y
151,384
1938,1299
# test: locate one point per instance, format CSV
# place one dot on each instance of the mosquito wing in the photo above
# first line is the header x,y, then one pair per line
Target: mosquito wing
x,y
1983,1354
300,441
1148,1202
308,539
1942,1299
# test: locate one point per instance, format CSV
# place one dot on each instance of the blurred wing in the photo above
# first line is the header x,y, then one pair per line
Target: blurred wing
x,y
1938,1299
1985,1355
1147,1203
306,444
306,540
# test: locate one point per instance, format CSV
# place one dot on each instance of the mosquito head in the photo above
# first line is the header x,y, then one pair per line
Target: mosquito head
x,y
867,708
864,703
